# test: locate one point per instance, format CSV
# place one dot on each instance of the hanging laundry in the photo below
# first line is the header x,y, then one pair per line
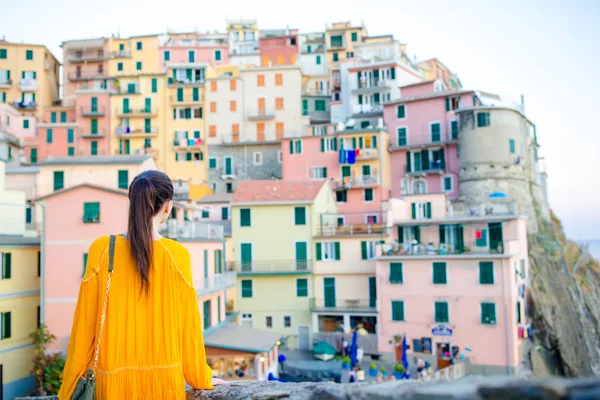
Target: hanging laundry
x,y
357,153
351,157
478,234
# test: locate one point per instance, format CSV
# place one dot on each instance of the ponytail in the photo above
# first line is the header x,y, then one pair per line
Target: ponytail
x,y
148,193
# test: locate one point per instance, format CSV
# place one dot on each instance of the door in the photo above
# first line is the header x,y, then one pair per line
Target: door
x,y
419,187
125,106
127,146
443,355
372,292
147,128
366,170
94,123
246,257
131,88
147,104
301,252
227,165
261,106
329,291
94,104
495,229
303,337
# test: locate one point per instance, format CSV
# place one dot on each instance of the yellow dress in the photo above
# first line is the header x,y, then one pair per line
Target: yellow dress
x,y
151,343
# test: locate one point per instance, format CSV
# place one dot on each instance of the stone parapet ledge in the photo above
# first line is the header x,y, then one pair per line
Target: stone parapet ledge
x,y
469,388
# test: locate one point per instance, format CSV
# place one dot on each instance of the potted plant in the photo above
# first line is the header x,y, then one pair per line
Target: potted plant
x,y
346,362
338,357
373,369
383,371
467,250
399,371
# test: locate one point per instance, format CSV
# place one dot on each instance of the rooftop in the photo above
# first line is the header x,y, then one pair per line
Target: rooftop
x,y
429,96
82,185
241,338
7,240
276,191
216,198
97,160
22,170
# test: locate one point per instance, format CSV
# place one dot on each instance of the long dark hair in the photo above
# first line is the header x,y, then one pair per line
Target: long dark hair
x,y
148,193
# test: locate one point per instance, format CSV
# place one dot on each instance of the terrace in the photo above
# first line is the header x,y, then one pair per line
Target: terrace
x,y
352,223
280,267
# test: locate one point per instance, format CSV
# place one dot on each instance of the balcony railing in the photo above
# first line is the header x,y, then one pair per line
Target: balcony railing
x,y
320,116
93,111
88,76
186,82
368,154
367,109
434,167
356,182
95,87
5,83
77,58
185,101
378,85
126,90
351,229
120,54
129,132
191,230
188,143
215,283
261,113
431,248
271,267
136,112
351,304
25,105
228,172
86,134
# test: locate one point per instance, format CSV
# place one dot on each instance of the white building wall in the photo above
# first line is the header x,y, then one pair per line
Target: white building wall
x,y
308,63
224,118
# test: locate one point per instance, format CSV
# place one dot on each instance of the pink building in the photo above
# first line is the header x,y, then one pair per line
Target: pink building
x,y
278,47
85,66
215,207
56,135
453,283
92,110
424,135
361,183
190,48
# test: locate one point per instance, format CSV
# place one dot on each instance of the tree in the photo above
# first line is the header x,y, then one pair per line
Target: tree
x,y
47,367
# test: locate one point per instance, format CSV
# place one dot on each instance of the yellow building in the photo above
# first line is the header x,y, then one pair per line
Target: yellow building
x,y
274,268
29,76
138,118
19,292
340,38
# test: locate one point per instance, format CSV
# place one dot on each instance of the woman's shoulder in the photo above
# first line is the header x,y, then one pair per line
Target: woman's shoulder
x,y
181,257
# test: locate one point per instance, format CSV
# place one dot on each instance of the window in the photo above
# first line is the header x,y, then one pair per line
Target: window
x,y
138,65
488,313
318,60
279,103
354,36
511,146
246,288
232,105
6,260
302,287
49,136
396,273
205,214
397,310
59,180
401,111
213,106
123,179
435,131
441,311
94,148
368,194
206,314
296,146
518,312
213,86
402,136
212,163
328,251
300,215
447,183
28,215
5,320
25,123
138,45
278,79
486,272
33,156
217,55
341,196
191,56
120,66
224,213
229,187
260,80
287,321
268,321
439,273
320,105
3,54
29,55
328,144
257,158
454,129
91,213
367,250
335,57
349,54
336,41
39,263
154,85
232,85
167,55
483,119
279,156
245,217
319,172
522,273
421,210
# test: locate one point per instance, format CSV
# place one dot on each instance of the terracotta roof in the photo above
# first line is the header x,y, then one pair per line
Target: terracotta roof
x,y
274,191
82,185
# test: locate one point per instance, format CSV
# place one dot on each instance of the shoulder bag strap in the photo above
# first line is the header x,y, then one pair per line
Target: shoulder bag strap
x,y
111,261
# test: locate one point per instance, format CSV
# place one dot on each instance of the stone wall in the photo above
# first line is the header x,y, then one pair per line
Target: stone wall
x,y
470,388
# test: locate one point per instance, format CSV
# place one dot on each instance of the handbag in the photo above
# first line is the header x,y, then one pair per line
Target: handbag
x,y
86,385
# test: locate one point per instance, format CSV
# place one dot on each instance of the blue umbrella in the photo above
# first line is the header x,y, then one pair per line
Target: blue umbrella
x,y
404,355
498,195
354,348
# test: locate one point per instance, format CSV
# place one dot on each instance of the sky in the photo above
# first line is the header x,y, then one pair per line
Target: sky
x,y
548,50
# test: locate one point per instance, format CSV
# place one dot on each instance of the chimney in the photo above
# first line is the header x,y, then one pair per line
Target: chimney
x,y
523,103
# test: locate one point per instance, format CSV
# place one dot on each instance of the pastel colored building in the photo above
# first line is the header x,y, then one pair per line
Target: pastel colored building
x,y
191,47
24,179
316,82
278,47
10,138
225,110
453,283
57,136
19,292
424,133
361,184
29,77
312,51
434,69
243,41
216,207
277,266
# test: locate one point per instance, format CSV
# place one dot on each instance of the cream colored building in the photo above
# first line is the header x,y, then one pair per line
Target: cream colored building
x,y
225,106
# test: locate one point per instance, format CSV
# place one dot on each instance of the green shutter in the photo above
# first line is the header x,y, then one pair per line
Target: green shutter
x,y
428,210
70,136
442,232
246,250
408,168
401,234
413,210
360,143
374,142
94,148
354,143
154,85
49,136
33,156
59,180
245,217
123,179
6,322
299,147
85,259
441,312
246,288
518,312
397,310
482,242
300,215
338,254
291,147
396,273
400,111
486,272
302,287
439,273
195,94
488,313
52,114
363,250
447,104
329,291
322,145
7,266
94,126
319,252
224,213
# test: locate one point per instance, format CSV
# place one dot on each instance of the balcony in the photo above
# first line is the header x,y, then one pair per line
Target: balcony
x,y
185,101
394,147
126,91
95,87
136,112
343,305
25,105
99,134
88,76
434,167
5,83
311,91
126,132
245,268
174,82
434,249
228,173
351,229
216,283
356,182
187,144
368,154
84,58
375,86
120,54
175,229
93,111
261,114
367,110
319,116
